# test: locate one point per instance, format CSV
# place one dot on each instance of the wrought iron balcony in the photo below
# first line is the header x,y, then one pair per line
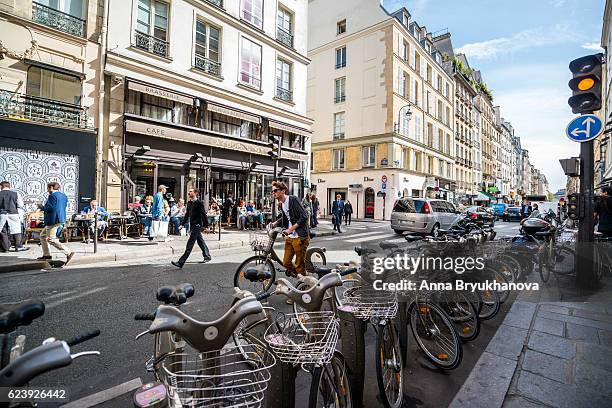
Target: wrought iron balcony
x,y
338,136
42,110
284,37
284,94
207,65
151,44
218,3
340,98
56,19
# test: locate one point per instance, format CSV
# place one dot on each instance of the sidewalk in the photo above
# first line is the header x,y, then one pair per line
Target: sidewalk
x,y
131,248
554,349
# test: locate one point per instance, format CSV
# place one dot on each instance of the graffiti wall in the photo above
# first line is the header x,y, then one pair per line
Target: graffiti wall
x,y
29,171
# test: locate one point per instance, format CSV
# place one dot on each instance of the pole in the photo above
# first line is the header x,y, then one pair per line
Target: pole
x,y
95,232
585,276
384,203
273,201
357,213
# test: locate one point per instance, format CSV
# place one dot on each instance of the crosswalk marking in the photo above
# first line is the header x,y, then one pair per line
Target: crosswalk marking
x,y
362,234
370,238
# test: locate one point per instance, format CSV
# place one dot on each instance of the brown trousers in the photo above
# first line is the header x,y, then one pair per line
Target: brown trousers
x,y
296,247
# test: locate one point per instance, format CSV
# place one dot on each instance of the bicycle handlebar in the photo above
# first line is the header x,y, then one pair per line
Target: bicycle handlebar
x,y
83,337
348,271
264,296
145,316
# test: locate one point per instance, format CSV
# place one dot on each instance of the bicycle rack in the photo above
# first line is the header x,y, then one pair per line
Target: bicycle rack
x,y
352,339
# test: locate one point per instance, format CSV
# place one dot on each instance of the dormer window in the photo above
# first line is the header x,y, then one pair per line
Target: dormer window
x,y
405,19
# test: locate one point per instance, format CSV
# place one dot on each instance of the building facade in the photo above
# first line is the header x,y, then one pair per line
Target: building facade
x,y
605,148
49,87
195,90
383,108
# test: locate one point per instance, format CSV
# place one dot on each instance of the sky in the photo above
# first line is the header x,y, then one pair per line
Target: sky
x,y
523,49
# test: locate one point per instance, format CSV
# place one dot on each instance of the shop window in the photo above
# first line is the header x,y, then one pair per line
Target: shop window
x,y
57,86
235,127
158,108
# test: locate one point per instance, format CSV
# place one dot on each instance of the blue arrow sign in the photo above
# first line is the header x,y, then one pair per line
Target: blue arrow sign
x,y
584,128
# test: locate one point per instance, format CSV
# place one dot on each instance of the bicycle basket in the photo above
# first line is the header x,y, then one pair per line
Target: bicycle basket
x,y
230,377
366,302
567,236
260,241
304,338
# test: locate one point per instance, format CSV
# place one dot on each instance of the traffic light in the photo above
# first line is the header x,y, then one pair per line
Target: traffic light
x,y
574,206
586,84
274,145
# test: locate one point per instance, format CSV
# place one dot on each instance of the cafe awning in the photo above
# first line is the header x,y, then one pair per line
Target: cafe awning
x,y
233,113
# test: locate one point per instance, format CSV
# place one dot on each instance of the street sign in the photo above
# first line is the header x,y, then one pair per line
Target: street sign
x,y
383,179
383,186
584,128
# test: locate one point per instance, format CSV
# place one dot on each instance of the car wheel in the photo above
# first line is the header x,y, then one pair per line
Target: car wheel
x,y
435,231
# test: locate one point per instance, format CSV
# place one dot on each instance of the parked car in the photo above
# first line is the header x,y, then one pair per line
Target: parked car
x,y
481,215
422,215
499,210
512,214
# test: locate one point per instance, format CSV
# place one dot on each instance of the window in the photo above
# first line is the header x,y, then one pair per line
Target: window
x,y
340,90
250,63
429,74
72,7
288,139
341,27
369,156
70,18
152,27
413,160
235,127
252,12
207,56
417,128
53,85
339,125
158,108
284,27
405,122
283,80
403,158
338,159
341,57
405,53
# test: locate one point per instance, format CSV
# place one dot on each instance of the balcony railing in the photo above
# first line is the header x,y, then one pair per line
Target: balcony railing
x,y
151,44
340,98
284,37
48,111
338,136
207,65
56,19
218,3
284,94
341,65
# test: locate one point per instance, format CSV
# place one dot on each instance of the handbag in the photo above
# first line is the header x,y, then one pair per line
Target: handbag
x,y
160,230
333,218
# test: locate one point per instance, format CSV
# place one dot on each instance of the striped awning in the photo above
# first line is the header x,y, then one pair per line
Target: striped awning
x,y
289,128
234,113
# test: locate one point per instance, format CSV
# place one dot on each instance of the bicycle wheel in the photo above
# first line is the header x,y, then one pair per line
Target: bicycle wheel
x,y
490,304
259,262
315,258
544,261
435,335
389,365
462,313
563,261
330,386
514,265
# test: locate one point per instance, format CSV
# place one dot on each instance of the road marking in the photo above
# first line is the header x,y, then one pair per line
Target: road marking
x,y
80,295
106,395
375,237
363,234
59,294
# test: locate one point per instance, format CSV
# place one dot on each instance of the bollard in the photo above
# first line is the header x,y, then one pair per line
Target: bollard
x,y
95,232
281,390
219,229
353,348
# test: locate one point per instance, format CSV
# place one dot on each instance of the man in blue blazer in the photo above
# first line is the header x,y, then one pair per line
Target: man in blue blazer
x,y
55,216
338,212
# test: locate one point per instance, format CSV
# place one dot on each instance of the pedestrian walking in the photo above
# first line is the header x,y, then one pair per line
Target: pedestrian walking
x,y
307,203
314,221
526,209
337,213
10,205
603,212
196,215
55,215
348,212
292,218
158,211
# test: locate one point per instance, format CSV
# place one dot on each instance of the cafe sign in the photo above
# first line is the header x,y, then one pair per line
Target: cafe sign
x,y
138,87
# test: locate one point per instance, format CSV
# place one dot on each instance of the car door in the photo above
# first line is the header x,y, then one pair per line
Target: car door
x,y
452,213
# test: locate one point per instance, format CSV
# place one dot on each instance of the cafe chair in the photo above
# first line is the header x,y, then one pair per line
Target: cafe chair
x,y
132,224
70,228
114,226
34,225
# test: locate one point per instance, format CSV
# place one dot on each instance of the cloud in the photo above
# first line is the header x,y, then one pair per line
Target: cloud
x,y
530,38
558,3
594,46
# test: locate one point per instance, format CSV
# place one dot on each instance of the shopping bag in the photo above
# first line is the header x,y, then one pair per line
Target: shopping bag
x,y
183,232
160,230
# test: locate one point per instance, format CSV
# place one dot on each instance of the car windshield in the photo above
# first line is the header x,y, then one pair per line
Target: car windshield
x,y
513,209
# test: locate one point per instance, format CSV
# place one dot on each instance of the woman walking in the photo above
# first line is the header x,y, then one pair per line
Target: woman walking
x,y
315,211
348,212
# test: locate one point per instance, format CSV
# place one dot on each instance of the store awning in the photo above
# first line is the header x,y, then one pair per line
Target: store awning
x,y
482,197
289,128
234,113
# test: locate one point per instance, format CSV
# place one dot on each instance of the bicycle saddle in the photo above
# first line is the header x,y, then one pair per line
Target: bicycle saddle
x,y
13,315
175,295
321,271
256,275
388,245
310,299
413,238
201,335
364,251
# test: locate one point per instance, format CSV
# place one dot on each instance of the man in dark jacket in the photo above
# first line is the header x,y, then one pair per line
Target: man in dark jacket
x,y
10,203
526,209
196,215
294,220
338,212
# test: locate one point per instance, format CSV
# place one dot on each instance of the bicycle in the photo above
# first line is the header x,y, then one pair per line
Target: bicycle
x,y
305,339
261,265
192,364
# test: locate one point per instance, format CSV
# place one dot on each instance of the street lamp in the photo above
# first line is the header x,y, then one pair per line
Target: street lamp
x,y
407,113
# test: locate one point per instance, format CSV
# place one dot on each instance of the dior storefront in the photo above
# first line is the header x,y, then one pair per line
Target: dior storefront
x,y
183,142
32,155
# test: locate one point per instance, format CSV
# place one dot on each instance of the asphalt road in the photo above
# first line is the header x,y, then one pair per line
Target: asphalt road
x,y
107,296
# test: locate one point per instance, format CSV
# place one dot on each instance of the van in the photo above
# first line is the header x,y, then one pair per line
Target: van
x,y
422,215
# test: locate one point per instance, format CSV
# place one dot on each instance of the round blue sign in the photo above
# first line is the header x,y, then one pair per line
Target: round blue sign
x,y
584,128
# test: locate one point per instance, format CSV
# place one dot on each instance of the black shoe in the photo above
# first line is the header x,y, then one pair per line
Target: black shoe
x,y
205,260
44,258
178,265
150,239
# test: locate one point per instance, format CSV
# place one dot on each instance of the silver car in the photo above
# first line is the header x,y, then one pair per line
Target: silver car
x,y
422,215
